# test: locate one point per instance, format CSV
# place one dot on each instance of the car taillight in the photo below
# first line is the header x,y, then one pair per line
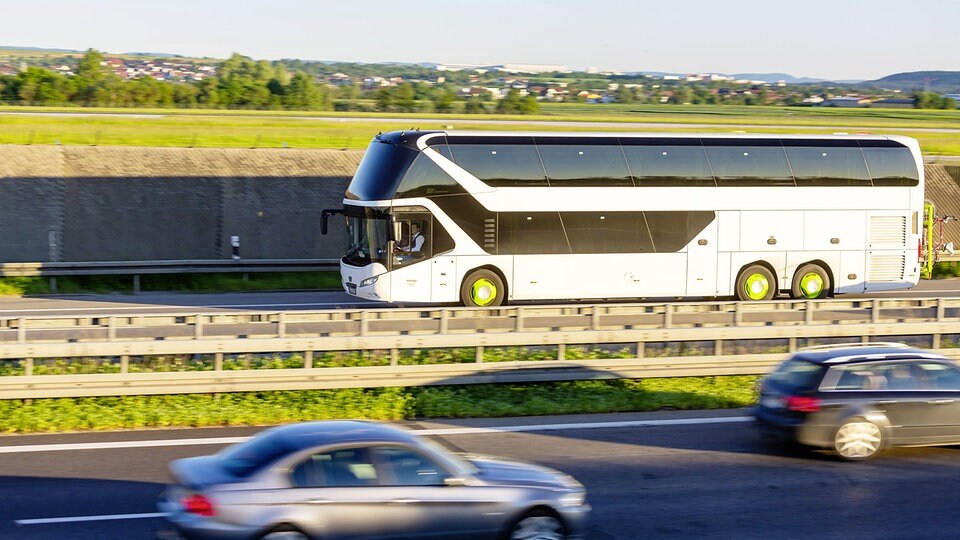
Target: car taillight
x,y
198,504
803,404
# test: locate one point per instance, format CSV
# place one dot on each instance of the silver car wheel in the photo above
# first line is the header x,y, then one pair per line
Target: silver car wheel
x,y
537,528
284,535
858,440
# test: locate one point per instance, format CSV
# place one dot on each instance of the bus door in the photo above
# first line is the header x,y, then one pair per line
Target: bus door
x,y
702,262
410,271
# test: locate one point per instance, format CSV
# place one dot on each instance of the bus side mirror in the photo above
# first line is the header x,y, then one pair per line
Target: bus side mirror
x,y
325,217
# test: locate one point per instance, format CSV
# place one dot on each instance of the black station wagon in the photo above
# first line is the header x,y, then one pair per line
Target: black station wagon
x,y
859,399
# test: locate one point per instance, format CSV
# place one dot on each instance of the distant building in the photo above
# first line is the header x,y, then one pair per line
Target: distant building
x,y
846,101
894,103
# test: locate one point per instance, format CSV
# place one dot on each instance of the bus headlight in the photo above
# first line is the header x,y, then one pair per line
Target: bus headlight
x,y
369,281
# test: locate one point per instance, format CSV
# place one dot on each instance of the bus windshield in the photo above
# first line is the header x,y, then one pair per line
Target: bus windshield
x,y
367,239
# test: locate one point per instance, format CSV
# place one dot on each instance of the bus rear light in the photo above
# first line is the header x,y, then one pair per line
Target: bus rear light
x,y
803,404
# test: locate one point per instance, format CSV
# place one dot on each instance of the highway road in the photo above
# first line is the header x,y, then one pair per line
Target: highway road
x,y
689,474
118,304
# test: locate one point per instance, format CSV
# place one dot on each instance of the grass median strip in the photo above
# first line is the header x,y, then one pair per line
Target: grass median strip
x,y
474,401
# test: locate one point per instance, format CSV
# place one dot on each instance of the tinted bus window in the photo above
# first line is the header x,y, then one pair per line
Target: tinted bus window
x,y
425,178
607,232
750,165
669,165
501,164
475,220
570,165
524,233
828,166
380,171
671,231
892,166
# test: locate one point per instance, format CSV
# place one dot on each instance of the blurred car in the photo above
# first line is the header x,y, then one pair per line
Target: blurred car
x,y
350,479
859,399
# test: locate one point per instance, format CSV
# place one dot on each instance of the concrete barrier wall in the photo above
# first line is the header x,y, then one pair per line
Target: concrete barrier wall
x,y
78,204
130,204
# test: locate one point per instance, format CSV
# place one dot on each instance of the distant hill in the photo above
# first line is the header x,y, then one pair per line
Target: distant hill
x,y
776,77
942,82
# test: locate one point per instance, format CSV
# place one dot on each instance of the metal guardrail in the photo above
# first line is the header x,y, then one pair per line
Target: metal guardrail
x,y
720,329
135,269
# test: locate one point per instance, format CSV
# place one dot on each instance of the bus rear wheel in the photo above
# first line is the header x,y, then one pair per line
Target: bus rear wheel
x,y
482,288
756,282
810,282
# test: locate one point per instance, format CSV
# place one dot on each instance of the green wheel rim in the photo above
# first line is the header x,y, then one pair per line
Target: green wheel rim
x,y
483,292
756,286
811,285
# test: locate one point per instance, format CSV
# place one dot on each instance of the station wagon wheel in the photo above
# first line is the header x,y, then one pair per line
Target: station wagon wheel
x,y
756,282
811,281
858,439
538,525
482,288
285,532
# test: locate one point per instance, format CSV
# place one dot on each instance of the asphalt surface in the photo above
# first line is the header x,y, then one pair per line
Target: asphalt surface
x,y
697,480
118,304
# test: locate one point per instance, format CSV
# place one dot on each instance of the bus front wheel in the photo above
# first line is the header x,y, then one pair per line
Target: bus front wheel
x,y
756,282
482,288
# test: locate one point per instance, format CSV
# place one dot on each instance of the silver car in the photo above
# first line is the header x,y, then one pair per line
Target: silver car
x,y
349,479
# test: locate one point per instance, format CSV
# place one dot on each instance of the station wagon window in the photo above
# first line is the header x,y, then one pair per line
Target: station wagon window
x,y
797,373
884,376
585,165
347,467
937,376
404,467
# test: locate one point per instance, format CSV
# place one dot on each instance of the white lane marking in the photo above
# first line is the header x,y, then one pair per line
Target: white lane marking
x,y
194,308
76,519
439,431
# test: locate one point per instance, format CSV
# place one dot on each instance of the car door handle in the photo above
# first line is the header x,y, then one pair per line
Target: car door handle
x,y
404,501
940,401
318,501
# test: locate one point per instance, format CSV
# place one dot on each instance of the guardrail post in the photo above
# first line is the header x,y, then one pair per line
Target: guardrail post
x,y
136,284
640,352
21,330
667,315
364,324
308,359
737,314
111,330
198,327
53,284
941,310
28,366
595,320
808,314
479,354
394,357
124,364
444,321
281,325
519,312
218,361
718,347
561,351
936,341
875,311
792,345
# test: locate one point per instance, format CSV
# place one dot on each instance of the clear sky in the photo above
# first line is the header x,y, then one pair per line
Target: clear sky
x,y
849,39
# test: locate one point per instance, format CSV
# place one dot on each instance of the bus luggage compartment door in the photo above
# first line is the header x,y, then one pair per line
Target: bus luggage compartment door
x,y
702,263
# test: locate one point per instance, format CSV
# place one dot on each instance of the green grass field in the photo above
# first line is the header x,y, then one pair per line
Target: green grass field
x,y
267,129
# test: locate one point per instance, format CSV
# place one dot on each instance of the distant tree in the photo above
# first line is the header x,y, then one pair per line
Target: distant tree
x,y
405,98
529,105
510,104
625,95
384,99
303,93
681,95
932,100
443,100
474,106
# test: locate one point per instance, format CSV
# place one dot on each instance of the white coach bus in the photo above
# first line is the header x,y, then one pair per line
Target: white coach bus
x,y
488,218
